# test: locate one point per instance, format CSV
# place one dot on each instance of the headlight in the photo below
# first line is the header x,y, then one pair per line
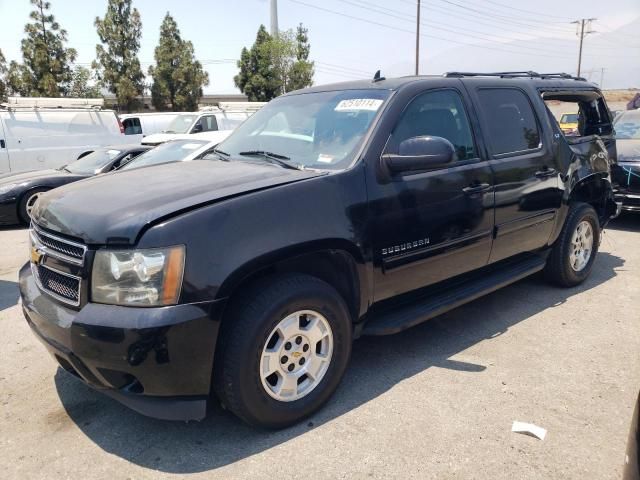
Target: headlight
x,y
7,188
150,278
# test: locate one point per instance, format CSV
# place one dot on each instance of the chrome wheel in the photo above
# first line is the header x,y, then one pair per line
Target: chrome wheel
x,y
581,246
31,201
296,355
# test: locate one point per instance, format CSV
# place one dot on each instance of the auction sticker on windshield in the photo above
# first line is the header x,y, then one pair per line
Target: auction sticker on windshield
x,y
356,104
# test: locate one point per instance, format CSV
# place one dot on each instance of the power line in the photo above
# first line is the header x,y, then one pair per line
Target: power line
x,y
530,12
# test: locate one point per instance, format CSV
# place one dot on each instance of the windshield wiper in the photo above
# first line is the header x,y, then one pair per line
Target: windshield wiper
x,y
281,160
222,155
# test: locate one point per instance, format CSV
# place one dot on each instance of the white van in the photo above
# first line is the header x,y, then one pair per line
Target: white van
x,y
139,125
39,133
226,116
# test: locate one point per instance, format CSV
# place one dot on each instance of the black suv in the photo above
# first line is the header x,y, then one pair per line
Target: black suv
x,y
360,208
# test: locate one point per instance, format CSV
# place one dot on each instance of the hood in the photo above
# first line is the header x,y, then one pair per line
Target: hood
x,y
628,150
21,177
114,208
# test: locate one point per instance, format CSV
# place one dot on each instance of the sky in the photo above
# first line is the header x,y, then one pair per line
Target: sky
x,y
353,38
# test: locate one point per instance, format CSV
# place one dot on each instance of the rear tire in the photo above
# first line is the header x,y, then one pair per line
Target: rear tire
x,y
284,347
575,250
27,202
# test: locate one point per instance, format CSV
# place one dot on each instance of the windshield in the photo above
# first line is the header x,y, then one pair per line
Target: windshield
x,y
90,164
627,125
319,130
181,124
569,118
174,151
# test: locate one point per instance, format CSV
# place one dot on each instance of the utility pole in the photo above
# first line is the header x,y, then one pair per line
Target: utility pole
x,y
581,32
418,40
274,18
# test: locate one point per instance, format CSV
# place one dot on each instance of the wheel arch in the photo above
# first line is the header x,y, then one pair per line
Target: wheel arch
x,y
337,262
595,190
24,194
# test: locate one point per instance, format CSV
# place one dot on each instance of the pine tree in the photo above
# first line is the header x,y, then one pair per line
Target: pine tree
x,y
117,65
178,77
46,69
257,78
301,75
3,73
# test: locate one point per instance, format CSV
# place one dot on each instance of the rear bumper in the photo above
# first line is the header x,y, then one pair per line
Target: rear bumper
x,y
157,361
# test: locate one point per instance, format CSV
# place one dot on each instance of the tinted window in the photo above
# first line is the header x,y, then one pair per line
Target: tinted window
x,y
132,126
208,123
510,120
90,164
440,114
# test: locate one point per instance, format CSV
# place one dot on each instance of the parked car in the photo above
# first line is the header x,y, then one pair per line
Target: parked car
x,y
210,119
139,125
627,172
249,276
569,123
181,149
38,133
20,191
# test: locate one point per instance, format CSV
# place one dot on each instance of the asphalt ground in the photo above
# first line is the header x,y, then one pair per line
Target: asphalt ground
x,y
436,401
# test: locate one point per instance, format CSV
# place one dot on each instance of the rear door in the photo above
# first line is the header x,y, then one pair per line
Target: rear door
x,y
4,152
527,183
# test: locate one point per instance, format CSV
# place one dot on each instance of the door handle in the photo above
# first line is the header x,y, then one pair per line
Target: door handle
x,y
476,188
547,172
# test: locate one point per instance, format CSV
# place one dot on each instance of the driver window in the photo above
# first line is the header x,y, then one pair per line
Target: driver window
x,y
439,113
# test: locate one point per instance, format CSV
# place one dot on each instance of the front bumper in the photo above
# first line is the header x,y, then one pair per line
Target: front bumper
x,y
157,361
627,178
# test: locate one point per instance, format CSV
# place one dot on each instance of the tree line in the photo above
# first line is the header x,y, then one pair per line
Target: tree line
x,y
272,66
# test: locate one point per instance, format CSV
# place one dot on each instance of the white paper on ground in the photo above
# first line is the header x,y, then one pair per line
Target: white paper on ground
x,y
529,429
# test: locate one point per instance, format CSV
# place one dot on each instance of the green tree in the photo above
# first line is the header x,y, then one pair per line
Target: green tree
x,y
3,73
117,65
46,68
275,65
257,78
81,86
301,75
178,77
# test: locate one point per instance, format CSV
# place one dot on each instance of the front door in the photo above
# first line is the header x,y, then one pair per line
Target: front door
x,y
527,183
432,225
4,151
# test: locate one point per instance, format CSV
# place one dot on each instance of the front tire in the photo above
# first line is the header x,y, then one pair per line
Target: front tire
x,y
575,250
27,203
285,346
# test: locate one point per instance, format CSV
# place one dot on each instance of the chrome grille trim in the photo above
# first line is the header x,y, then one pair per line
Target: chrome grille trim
x,y
58,247
57,296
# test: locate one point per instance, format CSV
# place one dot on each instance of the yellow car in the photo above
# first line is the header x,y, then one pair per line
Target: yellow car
x,y
569,123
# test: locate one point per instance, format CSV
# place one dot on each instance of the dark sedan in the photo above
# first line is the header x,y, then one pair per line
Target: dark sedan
x,y
19,191
627,172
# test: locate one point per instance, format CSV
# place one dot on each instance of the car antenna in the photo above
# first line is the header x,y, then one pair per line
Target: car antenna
x,y
377,77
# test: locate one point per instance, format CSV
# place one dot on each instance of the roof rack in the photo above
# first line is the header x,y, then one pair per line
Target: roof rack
x,y
30,103
529,74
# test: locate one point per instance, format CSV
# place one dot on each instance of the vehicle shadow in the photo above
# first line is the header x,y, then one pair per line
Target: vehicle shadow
x,y
8,294
629,222
377,365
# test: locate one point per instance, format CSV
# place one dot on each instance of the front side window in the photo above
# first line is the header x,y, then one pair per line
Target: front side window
x,y
510,120
439,113
181,124
132,126
207,123
322,130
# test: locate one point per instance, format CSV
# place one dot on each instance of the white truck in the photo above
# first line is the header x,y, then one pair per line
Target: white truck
x,y
140,125
39,133
225,116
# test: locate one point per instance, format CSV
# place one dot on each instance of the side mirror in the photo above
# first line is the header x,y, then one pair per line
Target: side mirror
x,y
420,153
197,128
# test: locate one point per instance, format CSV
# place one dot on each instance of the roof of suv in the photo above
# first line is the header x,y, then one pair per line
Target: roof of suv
x,y
539,80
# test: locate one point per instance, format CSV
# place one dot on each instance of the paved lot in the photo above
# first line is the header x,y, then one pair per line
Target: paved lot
x,y
434,402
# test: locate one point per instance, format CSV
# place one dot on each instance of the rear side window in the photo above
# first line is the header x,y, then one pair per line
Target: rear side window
x,y
510,120
440,114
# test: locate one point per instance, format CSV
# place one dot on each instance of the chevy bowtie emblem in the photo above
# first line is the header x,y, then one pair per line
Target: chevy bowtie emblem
x,y
36,255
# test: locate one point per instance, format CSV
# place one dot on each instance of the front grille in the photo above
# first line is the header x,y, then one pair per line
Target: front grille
x,y
58,247
62,286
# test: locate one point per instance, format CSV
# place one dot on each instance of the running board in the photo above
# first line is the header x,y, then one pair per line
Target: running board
x,y
430,302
